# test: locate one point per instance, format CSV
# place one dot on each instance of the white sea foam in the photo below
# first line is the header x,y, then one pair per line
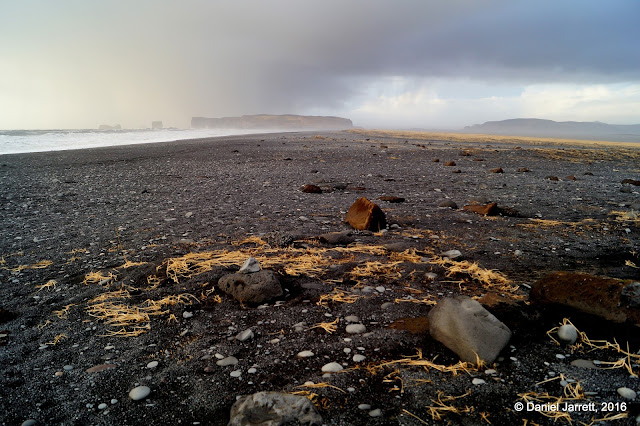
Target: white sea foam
x,y
20,141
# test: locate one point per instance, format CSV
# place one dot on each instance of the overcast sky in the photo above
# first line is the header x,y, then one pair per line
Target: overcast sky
x,y
422,63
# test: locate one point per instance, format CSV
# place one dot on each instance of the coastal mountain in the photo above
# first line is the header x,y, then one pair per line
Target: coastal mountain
x,y
280,122
593,130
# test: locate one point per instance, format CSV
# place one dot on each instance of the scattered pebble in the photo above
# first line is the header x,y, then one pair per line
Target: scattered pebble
x,y
102,406
356,328
560,356
359,358
152,364
140,392
236,373
332,367
352,318
252,370
187,314
347,350
114,401
68,367
375,413
364,407
568,333
490,371
478,381
245,335
230,360
380,289
627,393
305,354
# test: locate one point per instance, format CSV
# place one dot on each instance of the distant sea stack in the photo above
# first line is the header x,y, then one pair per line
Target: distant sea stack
x,y
264,121
108,127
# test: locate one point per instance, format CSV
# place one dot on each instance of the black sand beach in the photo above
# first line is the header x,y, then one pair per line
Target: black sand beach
x,y
122,212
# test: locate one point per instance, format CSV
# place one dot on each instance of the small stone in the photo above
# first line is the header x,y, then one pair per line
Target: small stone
x,y
560,356
230,360
448,204
583,363
331,367
152,364
568,333
356,328
59,374
478,381
250,266
627,393
386,305
245,335
252,370
359,358
114,401
352,318
102,406
431,275
380,289
67,367
236,373
364,407
187,314
375,413
452,254
450,163
490,372
140,392
29,422
498,170
305,354
311,189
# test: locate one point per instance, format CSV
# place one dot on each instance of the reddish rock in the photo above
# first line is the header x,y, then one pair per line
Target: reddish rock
x,y
457,171
436,160
450,164
490,209
571,177
631,182
365,215
601,296
553,178
465,154
391,199
478,159
523,170
498,170
311,189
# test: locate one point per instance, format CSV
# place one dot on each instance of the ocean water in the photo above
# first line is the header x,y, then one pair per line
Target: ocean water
x,y
20,141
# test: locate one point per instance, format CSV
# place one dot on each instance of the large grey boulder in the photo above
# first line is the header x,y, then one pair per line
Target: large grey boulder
x,y
273,409
467,328
257,287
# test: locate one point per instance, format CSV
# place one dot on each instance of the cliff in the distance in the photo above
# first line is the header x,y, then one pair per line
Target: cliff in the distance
x,y
265,121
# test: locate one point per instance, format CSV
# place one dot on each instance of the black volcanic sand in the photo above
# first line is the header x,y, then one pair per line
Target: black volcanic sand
x,y
91,210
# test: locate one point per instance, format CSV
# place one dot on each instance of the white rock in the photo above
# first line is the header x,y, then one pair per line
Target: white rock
x,y
249,266
352,318
102,406
356,328
140,392
627,393
380,289
152,364
347,350
245,335
568,333
305,354
186,314
490,371
478,381
236,373
252,370
364,407
359,358
332,367
230,360
431,275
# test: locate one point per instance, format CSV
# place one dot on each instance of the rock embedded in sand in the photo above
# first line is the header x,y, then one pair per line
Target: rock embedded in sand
x,y
337,238
450,163
497,170
356,328
358,358
467,328
490,209
631,182
448,204
257,287
305,354
140,392
600,296
250,266
331,367
152,364
365,215
311,189
272,409
245,335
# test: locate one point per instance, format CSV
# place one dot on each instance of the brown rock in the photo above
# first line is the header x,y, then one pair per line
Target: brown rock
x,y
523,170
391,199
553,178
365,215
478,159
490,209
571,177
311,189
457,171
465,154
601,296
436,160
257,287
336,238
448,204
450,164
631,182
498,170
